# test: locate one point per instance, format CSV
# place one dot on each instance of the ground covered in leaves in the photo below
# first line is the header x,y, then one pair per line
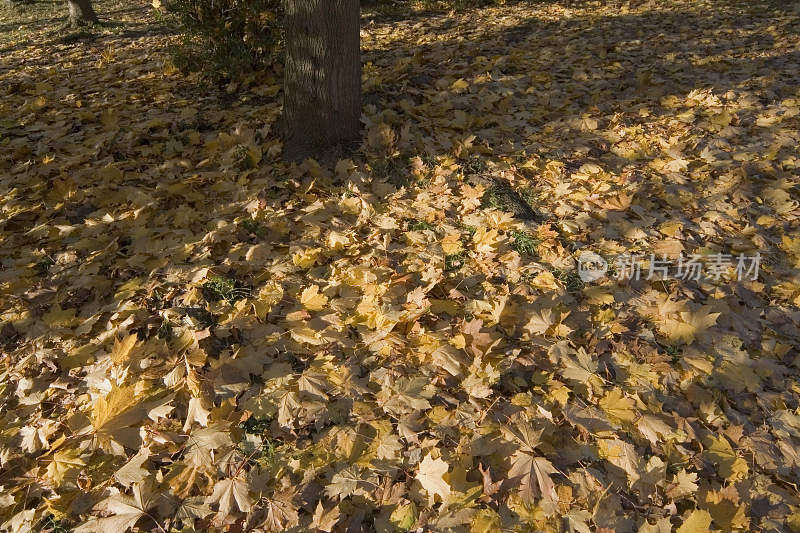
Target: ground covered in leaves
x,y
197,336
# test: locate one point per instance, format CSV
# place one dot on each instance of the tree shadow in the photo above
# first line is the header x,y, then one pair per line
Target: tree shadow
x,y
112,25
518,89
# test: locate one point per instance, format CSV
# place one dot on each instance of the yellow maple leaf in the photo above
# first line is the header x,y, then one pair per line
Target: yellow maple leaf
x,y
63,463
60,318
268,296
336,240
697,522
720,452
306,258
430,476
122,349
792,246
112,418
690,326
460,85
618,407
725,509
312,299
545,280
486,240
451,243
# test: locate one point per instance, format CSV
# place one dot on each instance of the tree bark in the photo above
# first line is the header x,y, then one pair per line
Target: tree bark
x,y
81,12
322,86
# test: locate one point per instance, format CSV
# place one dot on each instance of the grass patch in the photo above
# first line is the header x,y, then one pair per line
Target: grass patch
x,y
51,525
254,227
524,243
570,278
454,262
267,454
673,351
256,425
43,266
221,288
503,197
474,165
420,225
529,195
494,198
165,331
394,169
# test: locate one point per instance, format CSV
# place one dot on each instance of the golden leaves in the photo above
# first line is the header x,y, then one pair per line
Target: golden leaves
x,y
451,243
230,492
306,257
112,418
689,325
125,511
617,407
312,299
486,240
406,395
534,477
394,334
726,510
684,484
460,85
325,520
698,521
730,466
792,246
60,318
540,322
623,455
122,349
269,295
63,462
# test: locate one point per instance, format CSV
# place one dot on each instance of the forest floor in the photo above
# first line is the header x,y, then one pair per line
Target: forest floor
x,y
197,336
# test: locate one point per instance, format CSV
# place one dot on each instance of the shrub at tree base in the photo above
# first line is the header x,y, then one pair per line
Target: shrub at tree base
x,y
226,38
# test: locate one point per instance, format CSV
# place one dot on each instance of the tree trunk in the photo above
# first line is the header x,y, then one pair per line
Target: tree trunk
x,y
322,87
81,12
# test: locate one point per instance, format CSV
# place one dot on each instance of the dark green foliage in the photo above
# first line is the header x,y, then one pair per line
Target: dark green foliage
x,y
470,232
226,39
43,266
165,330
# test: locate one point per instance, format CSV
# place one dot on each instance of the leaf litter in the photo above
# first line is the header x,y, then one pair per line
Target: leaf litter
x,y
197,336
